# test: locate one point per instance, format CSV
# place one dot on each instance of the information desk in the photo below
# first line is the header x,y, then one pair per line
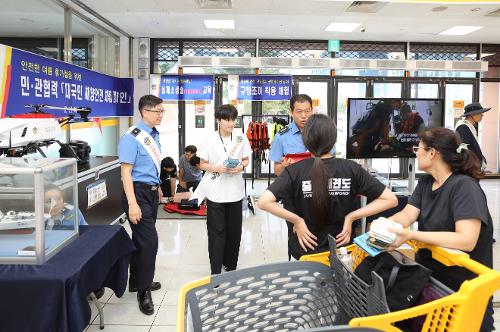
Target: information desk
x,y
53,296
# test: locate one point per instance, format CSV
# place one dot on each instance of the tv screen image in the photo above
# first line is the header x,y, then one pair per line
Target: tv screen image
x,y
389,127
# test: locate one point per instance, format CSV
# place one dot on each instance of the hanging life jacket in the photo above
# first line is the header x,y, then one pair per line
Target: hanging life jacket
x,y
258,136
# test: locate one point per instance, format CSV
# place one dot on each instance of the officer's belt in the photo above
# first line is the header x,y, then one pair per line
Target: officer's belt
x,y
143,185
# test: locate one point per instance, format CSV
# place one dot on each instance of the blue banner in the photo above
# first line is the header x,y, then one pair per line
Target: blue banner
x,y
186,87
36,79
259,87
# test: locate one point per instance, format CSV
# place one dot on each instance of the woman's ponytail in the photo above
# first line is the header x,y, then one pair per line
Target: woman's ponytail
x,y
320,135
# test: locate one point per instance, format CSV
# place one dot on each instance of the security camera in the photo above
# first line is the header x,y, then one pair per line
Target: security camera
x,y
362,29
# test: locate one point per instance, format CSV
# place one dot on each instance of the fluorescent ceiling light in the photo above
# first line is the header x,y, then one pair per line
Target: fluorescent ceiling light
x,y
227,50
396,55
219,24
460,30
483,55
342,27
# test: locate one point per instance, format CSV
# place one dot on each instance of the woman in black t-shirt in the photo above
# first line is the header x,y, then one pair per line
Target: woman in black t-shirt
x,y
168,177
450,208
320,192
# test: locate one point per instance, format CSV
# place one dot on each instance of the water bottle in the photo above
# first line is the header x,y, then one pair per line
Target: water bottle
x,y
345,258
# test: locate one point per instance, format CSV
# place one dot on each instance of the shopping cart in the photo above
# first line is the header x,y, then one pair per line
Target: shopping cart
x,y
310,295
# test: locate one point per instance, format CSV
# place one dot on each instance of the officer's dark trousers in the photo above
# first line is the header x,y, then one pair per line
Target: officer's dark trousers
x,y
144,236
224,222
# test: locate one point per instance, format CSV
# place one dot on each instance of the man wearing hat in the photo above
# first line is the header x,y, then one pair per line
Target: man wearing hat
x,y
466,128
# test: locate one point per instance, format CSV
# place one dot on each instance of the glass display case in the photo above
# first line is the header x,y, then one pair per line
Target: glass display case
x,y
39,212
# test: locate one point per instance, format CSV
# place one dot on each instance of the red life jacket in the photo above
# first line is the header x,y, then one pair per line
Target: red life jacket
x,y
258,136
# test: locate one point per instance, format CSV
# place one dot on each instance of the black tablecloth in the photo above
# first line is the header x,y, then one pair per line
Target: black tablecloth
x,y
53,296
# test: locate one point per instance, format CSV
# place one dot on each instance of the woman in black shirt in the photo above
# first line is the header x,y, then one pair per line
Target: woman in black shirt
x,y
168,177
450,208
320,191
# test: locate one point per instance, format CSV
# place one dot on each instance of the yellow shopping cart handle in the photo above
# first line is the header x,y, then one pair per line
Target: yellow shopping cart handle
x,y
181,300
452,257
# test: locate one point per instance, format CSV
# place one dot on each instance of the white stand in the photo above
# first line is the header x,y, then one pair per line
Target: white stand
x,y
367,163
411,175
411,184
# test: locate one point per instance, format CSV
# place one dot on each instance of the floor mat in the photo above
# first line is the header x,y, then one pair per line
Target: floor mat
x,y
162,214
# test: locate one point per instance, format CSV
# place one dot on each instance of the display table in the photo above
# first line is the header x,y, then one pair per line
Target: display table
x,y
53,296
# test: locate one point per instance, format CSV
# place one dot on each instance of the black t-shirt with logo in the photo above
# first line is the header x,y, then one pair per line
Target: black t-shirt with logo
x,y
347,179
460,197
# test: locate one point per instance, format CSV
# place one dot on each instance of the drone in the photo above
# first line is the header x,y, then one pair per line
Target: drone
x,y
29,132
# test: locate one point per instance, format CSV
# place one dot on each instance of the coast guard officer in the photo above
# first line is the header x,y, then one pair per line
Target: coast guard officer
x,y
140,157
289,140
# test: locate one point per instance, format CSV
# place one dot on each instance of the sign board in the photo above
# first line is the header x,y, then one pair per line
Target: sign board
x,y
28,78
333,45
199,121
264,87
186,87
458,108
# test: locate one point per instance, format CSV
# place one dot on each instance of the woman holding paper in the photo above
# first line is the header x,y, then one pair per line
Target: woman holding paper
x,y
224,156
450,208
321,191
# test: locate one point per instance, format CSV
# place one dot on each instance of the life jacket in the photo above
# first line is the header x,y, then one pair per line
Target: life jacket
x,y
409,123
258,136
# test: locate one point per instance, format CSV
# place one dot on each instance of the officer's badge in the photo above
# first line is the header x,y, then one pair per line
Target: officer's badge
x,y
35,130
147,141
239,139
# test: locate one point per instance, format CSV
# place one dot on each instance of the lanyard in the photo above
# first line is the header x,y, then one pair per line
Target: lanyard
x,y
223,145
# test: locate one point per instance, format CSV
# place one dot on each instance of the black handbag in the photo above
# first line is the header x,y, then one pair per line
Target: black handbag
x,y
189,205
404,279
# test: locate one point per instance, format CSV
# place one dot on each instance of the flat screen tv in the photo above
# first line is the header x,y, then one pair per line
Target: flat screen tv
x,y
389,127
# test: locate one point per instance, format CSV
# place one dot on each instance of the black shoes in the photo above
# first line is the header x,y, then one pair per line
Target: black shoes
x,y
155,285
145,302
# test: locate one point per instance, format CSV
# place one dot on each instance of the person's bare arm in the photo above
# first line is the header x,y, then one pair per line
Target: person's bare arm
x,y
172,186
463,238
134,211
280,166
407,216
267,202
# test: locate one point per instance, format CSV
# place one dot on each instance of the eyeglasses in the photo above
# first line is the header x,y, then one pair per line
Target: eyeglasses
x,y
415,148
155,111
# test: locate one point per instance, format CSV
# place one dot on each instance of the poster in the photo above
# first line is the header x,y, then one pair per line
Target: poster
x,y
31,79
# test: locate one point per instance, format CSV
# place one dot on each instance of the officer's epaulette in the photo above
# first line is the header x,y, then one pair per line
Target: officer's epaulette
x,y
284,130
135,132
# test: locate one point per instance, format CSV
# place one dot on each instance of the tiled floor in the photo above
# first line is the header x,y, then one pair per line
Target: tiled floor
x,y
183,257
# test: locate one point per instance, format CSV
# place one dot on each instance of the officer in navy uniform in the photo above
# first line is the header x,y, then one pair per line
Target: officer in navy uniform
x,y
140,158
289,141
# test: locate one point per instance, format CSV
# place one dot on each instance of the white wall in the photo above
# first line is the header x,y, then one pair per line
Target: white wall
x,y
490,125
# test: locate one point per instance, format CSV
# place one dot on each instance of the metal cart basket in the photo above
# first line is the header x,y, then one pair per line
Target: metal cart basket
x,y
309,295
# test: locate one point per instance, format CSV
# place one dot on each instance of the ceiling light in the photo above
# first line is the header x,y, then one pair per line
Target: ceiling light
x,y
474,55
227,50
460,30
219,24
26,20
439,9
396,55
484,55
342,27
